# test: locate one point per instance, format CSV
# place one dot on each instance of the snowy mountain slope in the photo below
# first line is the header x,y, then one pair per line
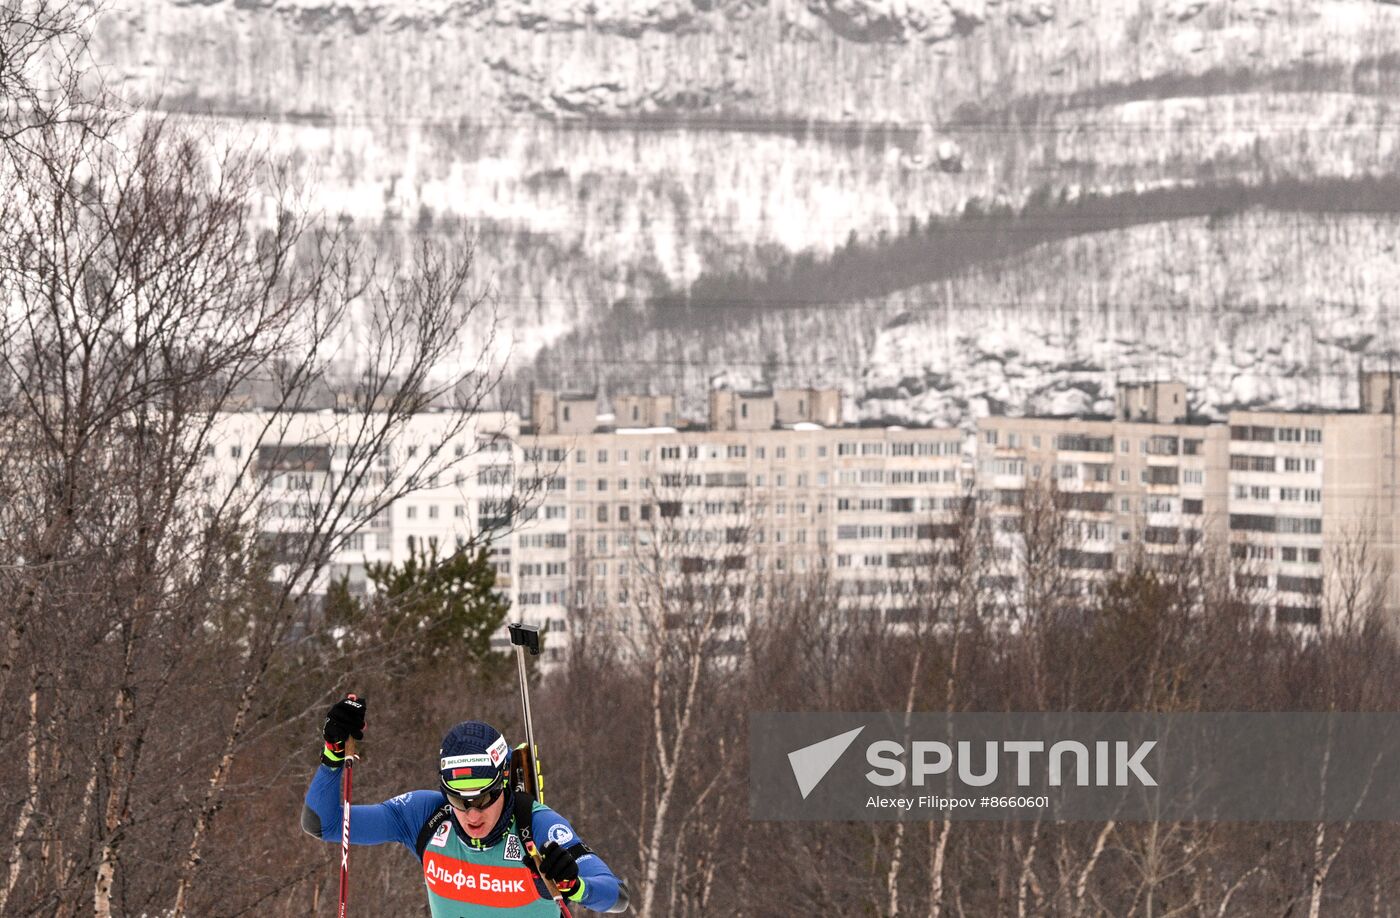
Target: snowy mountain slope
x,y
839,60
610,151
1260,308
570,219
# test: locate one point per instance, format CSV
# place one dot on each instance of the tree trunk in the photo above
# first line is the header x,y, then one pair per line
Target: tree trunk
x,y
940,848
26,813
211,801
892,876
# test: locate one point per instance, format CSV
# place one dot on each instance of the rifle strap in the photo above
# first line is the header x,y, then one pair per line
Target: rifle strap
x,y
442,813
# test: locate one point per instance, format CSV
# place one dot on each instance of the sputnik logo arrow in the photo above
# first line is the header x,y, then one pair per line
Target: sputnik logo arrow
x,y
811,763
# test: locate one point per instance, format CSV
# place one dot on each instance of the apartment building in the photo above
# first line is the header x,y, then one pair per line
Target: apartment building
x,y
1304,502
1313,502
764,489
459,476
773,484
1149,479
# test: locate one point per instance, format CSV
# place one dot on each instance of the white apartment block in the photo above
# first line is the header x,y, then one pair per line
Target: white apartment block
x,y
762,489
459,475
1313,504
1292,496
1148,480
774,485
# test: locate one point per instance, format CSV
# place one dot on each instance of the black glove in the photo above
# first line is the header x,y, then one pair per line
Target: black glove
x,y
345,719
561,868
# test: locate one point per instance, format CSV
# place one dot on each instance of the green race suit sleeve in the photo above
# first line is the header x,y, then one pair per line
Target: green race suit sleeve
x,y
395,820
602,890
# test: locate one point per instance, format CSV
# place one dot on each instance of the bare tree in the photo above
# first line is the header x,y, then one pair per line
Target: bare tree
x,y
45,78
145,301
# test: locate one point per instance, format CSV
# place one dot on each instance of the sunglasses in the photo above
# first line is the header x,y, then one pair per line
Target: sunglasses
x,y
478,802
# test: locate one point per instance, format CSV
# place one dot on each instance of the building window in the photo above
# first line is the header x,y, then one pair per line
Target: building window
x,y
1252,522
411,513
1252,463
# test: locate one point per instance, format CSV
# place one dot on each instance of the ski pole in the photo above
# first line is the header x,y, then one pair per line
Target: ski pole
x,y
346,778
528,637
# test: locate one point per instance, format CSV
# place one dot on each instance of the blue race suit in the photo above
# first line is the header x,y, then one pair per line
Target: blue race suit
x,y
464,877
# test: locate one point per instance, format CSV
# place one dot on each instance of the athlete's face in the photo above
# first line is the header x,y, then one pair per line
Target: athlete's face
x,y
477,822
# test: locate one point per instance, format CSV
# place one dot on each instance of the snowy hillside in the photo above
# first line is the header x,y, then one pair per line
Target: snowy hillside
x,y
1261,308
624,150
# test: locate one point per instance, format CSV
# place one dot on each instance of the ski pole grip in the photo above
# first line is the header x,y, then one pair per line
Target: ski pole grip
x,y
527,636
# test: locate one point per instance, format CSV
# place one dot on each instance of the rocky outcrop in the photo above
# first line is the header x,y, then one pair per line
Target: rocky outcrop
x,y
899,21
627,18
